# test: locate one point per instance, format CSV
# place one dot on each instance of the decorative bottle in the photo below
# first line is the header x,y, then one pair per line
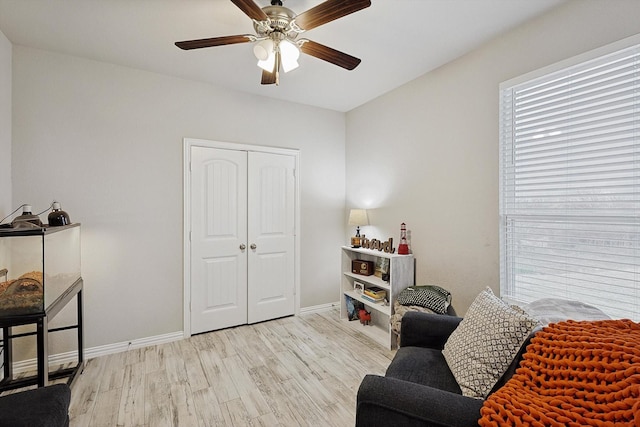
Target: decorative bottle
x,y
57,216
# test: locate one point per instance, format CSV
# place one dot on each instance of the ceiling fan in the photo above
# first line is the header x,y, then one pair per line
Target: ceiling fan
x,y
277,30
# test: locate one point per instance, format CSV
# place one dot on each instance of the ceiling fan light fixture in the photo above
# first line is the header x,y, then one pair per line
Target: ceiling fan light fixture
x,y
289,53
269,63
263,49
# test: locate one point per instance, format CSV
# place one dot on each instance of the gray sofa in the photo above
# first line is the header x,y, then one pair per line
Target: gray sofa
x,y
41,407
419,388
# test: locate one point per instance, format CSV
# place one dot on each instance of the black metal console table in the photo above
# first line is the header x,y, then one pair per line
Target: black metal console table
x,y
41,320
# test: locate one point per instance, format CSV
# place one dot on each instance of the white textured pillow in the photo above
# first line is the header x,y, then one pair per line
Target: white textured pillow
x,y
483,346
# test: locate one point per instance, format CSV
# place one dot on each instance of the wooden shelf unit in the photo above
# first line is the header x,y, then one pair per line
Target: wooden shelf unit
x,y
401,275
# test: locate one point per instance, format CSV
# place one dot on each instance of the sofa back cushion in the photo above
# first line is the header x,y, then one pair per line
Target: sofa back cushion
x,y
425,366
485,343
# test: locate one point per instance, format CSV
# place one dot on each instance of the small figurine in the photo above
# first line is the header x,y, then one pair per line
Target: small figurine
x,y
365,316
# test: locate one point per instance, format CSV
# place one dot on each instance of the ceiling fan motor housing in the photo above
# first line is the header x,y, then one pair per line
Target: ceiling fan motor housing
x,y
279,19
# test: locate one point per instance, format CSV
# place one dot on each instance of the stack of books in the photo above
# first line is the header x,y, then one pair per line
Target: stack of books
x,y
374,294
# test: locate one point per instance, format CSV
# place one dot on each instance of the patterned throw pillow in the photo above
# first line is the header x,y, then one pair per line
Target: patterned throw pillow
x,y
483,346
432,297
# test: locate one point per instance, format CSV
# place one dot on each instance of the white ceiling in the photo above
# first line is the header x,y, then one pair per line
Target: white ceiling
x,y
397,40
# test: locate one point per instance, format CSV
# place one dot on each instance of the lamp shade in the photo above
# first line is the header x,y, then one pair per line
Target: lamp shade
x,y
289,53
263,49
268,64
358,217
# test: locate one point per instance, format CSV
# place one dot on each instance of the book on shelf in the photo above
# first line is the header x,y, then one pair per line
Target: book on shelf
x,y
375,292
370,299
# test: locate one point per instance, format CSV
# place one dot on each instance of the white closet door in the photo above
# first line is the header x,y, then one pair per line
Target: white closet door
x,y
271,225
219,232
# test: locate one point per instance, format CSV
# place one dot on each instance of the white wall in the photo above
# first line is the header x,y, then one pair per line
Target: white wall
x,y
5,126
427,153
106,141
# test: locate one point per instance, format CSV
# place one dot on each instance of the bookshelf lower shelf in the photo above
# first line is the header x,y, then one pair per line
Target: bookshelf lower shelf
x,y
374,332
384,309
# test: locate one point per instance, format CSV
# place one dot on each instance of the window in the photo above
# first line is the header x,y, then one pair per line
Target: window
x,y
570,183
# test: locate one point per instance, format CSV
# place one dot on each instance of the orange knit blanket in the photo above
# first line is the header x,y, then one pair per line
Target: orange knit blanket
x,y
573,374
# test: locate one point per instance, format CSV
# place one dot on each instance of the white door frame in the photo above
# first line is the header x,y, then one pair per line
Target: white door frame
x,y
186,262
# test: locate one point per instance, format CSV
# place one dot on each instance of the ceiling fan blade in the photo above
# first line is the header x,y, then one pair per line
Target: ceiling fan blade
x,y
273,77
329,11
268,78
215,41
251,9
328,54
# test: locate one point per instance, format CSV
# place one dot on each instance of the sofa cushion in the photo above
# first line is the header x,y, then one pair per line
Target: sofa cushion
x,y
480,350
41,407
425,366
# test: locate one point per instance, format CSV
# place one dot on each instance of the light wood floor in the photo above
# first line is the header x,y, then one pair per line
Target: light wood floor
x,y
295,371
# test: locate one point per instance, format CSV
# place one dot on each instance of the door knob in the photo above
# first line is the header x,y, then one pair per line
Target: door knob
x,y
242,247
253,246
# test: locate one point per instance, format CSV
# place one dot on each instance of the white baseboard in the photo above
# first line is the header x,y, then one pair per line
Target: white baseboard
x,y
103,350
319,308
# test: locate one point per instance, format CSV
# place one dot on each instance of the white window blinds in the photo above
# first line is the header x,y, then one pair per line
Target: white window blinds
x,y
570,185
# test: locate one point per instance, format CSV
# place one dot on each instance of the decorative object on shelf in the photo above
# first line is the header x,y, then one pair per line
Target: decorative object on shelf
x,y
375,244
364,316
382,268
358,287
353,307
358,217
27,219
365,268
403,248
57,217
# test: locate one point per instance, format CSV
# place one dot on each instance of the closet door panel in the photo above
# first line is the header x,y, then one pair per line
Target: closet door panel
x,y
271,226
219,230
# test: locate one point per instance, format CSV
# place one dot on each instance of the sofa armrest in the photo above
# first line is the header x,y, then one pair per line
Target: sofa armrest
x,y
386,401
427,329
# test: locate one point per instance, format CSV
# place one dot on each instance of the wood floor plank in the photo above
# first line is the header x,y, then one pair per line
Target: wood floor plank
x,y
272,390
113,373
294,371
218,376
184,405
236,414
158,410
207,408
267,420
255,403
105,413
239,375
85,392
131,411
